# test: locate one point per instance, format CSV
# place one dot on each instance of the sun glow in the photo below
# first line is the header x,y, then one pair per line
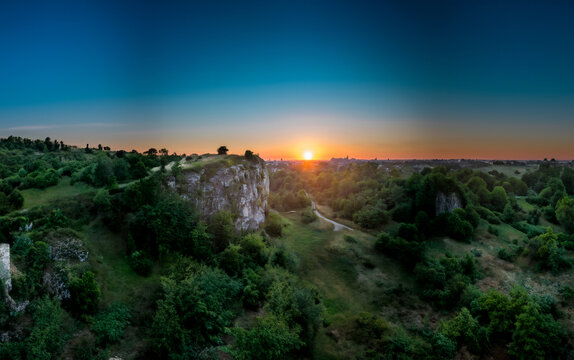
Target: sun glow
x,y
307,155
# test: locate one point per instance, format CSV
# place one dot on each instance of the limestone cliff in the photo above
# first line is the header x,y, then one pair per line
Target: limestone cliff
x,y
447,202
227,183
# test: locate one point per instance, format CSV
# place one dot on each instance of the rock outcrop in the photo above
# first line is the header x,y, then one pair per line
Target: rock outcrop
x,y
241,187
5,275
447,202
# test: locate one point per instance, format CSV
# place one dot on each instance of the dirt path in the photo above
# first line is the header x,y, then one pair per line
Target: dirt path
x,y
337,226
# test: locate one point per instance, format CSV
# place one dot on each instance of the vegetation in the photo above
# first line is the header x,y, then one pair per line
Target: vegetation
x,y
441,262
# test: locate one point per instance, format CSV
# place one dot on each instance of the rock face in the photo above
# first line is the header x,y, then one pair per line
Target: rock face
x,y
5,267
444,202
242,189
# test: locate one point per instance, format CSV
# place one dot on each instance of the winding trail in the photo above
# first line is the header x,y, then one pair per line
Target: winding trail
x,y
337,226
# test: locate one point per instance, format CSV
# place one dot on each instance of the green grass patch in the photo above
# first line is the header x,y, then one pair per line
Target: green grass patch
x,y
37,197
336,268
510,170
118,282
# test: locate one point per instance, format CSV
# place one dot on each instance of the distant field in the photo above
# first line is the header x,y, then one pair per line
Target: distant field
x,y
36,197
510,170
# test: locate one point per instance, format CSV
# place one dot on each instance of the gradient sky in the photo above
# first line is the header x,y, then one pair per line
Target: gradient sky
x,y
385,79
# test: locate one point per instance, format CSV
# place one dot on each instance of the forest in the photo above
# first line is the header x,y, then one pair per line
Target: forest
x,y
108,260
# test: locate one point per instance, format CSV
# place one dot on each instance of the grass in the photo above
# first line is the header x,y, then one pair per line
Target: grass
x,y
336,268
510,170
37,197
120,284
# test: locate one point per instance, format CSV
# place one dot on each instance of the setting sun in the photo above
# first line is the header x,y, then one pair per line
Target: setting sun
x,y
307,155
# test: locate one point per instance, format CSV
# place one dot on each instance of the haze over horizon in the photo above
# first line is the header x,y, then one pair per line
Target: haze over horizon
x,y
370,79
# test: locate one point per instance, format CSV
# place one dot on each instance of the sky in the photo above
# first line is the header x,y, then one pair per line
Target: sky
x,y
367,79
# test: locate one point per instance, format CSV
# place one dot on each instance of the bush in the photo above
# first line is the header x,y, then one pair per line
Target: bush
x,y
565,213
488,215
370,217
350,239
274,225
505,254
408,253
109,325
194,310
270,338
141,263
231,259
16,199
254,248
493,230
84,295
454,225
46,340
308,215
409,232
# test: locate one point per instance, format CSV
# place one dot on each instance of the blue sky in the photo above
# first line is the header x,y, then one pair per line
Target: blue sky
x,y
364,78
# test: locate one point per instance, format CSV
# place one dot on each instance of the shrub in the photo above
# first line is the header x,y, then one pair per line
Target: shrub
x,y
254,248
350,239
46,340
270,338
109,325
492,230
141,263
370,217
408,253
308,215
84,295
273,224
505,254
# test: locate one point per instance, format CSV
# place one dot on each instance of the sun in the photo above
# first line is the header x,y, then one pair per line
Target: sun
x,y
307,155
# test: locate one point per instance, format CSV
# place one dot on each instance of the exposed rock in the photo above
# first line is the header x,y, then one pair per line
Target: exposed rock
x,y
68,248
242,189
446,203
5,276
56,281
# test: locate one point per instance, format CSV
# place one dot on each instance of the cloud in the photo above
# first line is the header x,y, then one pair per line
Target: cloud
x,y
97,124
59,126
33,127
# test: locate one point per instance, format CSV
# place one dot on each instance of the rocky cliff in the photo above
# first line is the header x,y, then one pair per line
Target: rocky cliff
x,y
227,183
447,202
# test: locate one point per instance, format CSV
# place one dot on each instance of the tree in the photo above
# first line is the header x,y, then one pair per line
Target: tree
x,y
273,224
249,154
103,173
45,340
151,151
568,180
254,248
222,150
138,170
222,229
195,310
464,329
109,325
498,198
565,213
84,294
271,338
527,335
48,143
16,199
102,201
